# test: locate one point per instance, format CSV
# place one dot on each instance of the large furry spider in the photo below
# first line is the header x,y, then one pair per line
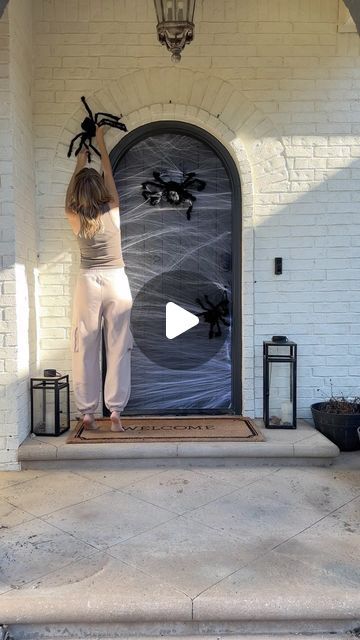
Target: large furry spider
x,y
214,314
173,192
89,129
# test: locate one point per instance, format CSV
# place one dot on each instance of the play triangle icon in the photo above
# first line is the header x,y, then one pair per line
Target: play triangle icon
x,y
178,320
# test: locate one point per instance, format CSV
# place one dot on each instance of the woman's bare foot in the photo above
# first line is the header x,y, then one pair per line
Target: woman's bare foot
x,y
89,421
116,422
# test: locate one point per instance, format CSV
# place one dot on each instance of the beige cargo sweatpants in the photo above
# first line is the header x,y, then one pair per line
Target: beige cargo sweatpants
x,y
101,296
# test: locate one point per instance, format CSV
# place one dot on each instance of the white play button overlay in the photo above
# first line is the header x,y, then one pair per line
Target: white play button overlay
x,y
178,320
161,312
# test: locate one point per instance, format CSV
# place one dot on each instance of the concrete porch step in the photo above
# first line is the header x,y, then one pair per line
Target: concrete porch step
x,y
329,621
347,635
210,549
297,445
29,632
109,632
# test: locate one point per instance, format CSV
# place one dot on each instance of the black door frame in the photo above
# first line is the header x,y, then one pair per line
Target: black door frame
x,y
184,128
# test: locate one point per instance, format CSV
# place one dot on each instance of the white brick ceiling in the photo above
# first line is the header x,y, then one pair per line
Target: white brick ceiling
x,y
352,5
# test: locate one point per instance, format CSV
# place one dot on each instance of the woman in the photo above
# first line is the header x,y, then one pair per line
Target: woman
x,y
102,291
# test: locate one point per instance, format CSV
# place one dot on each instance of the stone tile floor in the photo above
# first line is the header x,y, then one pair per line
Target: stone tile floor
x,y
190,539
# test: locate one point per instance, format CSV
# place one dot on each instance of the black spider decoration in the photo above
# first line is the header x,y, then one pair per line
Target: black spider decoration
x,y
173,192
214,314
88,126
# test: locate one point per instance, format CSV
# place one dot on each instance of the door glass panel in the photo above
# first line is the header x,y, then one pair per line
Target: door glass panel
x,y
160,238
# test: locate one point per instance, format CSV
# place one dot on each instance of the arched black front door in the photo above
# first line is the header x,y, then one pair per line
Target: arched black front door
x,y
159,238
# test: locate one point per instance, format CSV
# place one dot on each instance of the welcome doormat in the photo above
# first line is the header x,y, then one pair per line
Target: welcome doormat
x,y
170,429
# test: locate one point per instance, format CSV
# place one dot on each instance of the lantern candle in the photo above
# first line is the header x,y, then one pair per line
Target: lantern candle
x,y
286,412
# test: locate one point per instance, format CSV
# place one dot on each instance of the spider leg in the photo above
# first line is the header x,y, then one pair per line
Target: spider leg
x,y
87,107
225,322
153,197
188,178
118,125
87,147
154,200
157,177
82,143
209,303
192,182
93,148
201,184
211,330
188,197
122,126
153,184
72,143
110,123
201,305
218,333
225,307
107,115
224,310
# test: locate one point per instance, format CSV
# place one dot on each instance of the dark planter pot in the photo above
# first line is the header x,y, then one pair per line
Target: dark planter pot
x,y
341,429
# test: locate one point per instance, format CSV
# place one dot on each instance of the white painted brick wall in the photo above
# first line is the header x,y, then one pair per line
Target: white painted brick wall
x,y
279,86
7,256
276,74
21,73
18,232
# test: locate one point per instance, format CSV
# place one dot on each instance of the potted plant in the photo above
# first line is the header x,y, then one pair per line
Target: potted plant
x,y
338,418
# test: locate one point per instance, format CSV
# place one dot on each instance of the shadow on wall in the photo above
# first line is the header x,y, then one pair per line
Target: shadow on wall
x,y
28,332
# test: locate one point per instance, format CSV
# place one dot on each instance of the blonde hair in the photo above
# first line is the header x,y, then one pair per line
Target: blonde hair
x,y
88,197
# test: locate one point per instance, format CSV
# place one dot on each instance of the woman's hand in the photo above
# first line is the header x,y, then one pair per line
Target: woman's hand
x,y
99,134
82,158
106,167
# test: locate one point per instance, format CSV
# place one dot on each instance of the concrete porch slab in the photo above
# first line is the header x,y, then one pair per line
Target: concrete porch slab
x,y
301,443
206,548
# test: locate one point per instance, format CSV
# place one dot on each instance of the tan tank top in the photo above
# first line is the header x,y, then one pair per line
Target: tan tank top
x,y
103,251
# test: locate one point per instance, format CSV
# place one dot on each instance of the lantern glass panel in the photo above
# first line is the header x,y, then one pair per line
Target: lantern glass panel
x,y
170,10
279,350
280,393
44,410
175,10
63,416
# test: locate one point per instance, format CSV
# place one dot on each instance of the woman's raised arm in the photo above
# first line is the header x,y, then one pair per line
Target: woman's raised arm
x,y
106,167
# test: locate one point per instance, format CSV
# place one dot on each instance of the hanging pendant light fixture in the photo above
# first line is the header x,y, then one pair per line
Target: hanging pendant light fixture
x,y
175,25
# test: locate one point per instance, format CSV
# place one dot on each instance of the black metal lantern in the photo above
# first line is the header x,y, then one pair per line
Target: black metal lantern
x,y
175,25
50,405
279,383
